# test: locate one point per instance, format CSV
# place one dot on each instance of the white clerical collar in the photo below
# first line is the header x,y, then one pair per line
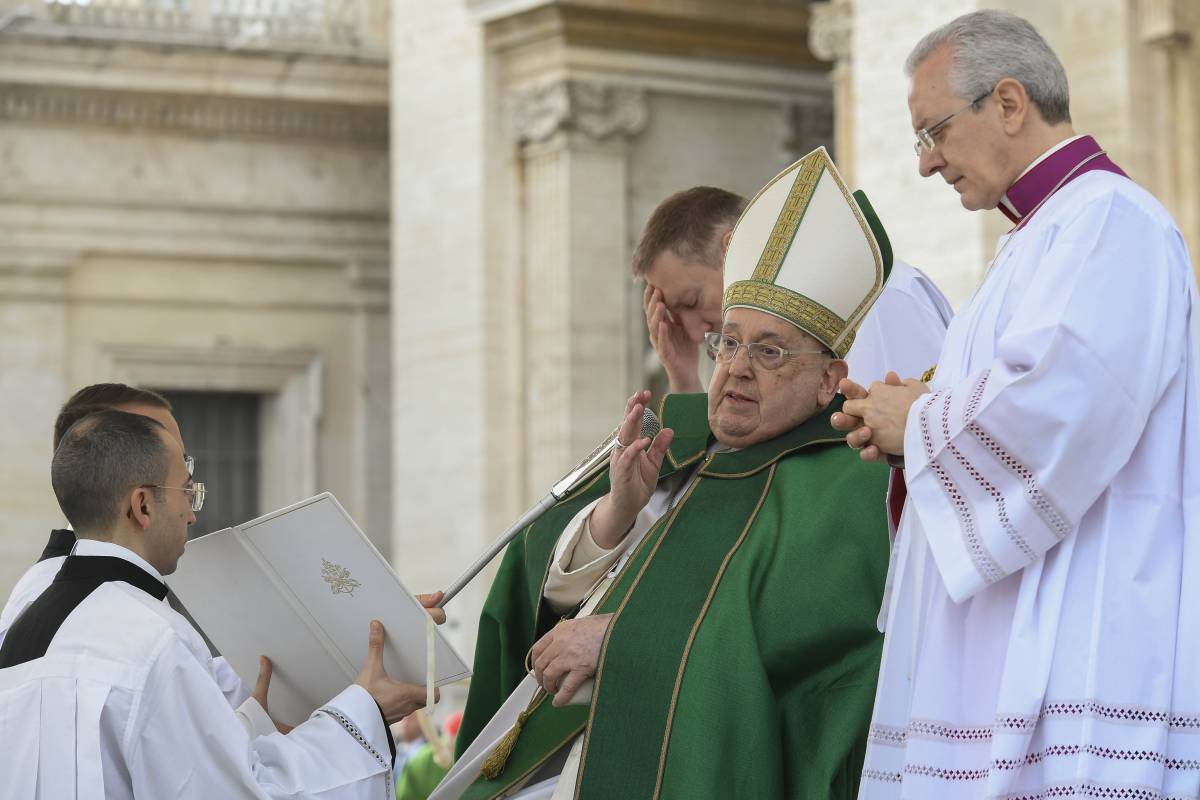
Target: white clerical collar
x,y
1004,198
95,547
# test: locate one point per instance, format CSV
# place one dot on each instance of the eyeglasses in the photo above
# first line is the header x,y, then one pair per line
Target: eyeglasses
x,y
190,463
925,140
196,490
724,348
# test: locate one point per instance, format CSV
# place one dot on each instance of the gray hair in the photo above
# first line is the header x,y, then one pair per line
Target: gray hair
x,y
100,460
990,46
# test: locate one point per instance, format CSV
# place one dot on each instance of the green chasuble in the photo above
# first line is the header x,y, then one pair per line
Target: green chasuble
x,y
743,654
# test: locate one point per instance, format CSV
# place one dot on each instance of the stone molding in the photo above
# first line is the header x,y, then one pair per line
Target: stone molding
x,y
599,111
289,380
831,28
810,125
193,114
1165,22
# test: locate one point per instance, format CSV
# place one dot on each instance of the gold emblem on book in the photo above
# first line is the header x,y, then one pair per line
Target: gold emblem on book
x,y
338,578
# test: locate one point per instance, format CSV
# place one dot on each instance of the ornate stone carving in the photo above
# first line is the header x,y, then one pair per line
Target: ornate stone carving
x,y
810,125
193,114
596,110
830,29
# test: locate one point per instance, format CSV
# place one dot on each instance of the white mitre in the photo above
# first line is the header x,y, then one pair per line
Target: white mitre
x,y
810,252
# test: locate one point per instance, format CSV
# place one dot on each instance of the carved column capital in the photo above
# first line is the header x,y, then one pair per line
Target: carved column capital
x,y
598,111
830,28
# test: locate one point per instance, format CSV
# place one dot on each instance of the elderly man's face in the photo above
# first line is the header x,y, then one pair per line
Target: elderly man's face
x,y
971,148
747,404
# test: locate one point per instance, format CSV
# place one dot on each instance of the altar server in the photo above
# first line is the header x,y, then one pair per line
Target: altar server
x,y
105,691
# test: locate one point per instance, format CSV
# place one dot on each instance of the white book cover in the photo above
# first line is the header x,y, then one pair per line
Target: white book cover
x,y
300,586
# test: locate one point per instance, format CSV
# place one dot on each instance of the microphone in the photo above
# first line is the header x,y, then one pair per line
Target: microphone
x,y
587,469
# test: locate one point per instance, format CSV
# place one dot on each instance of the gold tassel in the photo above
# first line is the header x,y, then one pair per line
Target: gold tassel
x,y
497,760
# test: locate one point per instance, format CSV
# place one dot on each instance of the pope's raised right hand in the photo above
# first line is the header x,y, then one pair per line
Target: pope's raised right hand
x,y
632,475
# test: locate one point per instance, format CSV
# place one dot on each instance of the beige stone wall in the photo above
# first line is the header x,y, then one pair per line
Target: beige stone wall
x,y
195,219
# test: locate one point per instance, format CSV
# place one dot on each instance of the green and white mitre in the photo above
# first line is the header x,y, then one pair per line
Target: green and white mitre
x,y
809,251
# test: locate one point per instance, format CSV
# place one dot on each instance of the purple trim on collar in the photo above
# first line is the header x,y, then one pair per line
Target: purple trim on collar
x,y
1034,186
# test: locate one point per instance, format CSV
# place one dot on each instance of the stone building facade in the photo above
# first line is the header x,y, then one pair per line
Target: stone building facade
x,y
197,200
406,227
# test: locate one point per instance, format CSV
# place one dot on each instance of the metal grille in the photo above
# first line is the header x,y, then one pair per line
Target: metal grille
x,y
221,430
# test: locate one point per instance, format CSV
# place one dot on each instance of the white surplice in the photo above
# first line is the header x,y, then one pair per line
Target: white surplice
x,y
124,704
39,577
1043,625
903,331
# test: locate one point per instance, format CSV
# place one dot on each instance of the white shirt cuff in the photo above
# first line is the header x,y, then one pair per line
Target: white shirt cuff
x,y
255,719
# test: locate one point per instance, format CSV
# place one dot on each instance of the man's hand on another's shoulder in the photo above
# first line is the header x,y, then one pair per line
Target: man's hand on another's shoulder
x,y
397,699
678,354
568,655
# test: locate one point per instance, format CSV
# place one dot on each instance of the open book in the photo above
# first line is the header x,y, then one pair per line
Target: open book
x,y
301,586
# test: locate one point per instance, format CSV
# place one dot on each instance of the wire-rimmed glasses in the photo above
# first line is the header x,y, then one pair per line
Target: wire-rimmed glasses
x,y
724,348
925,140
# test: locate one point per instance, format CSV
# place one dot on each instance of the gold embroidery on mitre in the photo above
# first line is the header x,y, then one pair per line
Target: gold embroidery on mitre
x,y
338,578
795,308
788,222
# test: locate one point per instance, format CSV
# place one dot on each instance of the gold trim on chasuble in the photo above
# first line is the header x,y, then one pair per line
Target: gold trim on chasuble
x,y
538,700
687,649
674,514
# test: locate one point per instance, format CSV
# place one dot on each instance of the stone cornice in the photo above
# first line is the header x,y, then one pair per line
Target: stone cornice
x,y
596,110
134,67
780,38
194,114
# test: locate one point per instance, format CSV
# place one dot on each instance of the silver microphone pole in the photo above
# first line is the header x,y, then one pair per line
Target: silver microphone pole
x,y
587,469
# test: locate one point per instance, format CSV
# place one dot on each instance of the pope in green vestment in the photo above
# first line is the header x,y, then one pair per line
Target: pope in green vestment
x,y
735,642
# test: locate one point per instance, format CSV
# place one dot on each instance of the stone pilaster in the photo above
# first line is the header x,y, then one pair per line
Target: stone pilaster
x,y
830,39
1168,28
572,141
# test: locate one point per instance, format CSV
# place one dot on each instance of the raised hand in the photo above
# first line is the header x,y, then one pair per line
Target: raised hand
x,y
568,655
396,698
632,475
678,353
